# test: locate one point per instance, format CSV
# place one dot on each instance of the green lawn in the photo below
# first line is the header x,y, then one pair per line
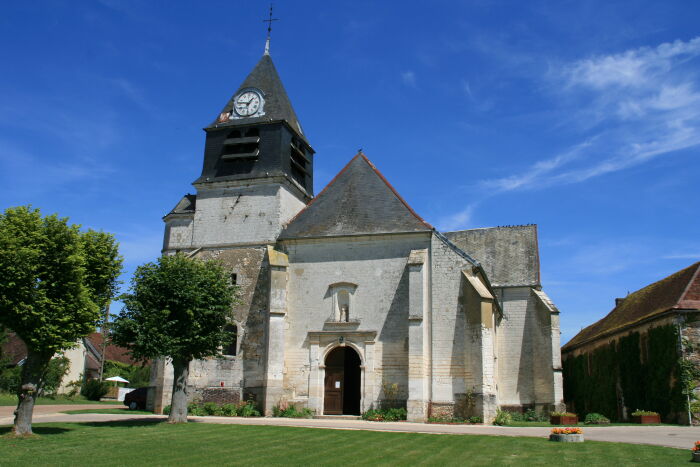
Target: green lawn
x,y
122,411
143,442
11,399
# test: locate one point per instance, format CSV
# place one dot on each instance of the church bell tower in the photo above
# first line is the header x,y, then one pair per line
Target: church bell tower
x,y
258,136
257,172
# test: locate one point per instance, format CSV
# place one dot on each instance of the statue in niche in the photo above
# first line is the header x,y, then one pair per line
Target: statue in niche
x,y
344,312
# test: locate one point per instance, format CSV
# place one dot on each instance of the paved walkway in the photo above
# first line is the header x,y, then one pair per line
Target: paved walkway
x,y
671,436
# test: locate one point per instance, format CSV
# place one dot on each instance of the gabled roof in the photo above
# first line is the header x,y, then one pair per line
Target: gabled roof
x,y
359,200
679,291
112,352
277,105
509,254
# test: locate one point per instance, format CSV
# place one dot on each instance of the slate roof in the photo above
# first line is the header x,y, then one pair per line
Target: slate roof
x,y
185,206
509,255
13,349
359,200
277,105
679,291
112,352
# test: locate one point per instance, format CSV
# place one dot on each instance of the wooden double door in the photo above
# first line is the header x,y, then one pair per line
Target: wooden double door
x,y
342,382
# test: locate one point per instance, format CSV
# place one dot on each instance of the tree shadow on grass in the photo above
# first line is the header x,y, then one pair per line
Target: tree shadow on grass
x,y
125,423
37,430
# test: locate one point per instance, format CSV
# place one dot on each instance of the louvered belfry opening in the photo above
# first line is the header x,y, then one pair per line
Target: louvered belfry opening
x,y
241,145
300,162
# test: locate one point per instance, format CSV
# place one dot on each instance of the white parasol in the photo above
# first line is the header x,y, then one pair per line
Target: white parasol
x,y
117,379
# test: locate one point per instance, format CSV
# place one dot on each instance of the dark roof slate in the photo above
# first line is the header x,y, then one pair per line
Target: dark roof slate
x,y
277,106
186,205
13,349
359,200
680,290
510,255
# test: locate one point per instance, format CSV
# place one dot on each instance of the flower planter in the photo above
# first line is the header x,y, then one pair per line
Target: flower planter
x,y
563,420
696,456
575,438
646,419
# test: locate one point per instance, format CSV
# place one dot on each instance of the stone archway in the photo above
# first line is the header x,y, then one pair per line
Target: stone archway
x,y
342,385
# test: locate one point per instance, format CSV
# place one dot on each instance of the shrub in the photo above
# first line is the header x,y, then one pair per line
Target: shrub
x,y
476,419
248,410
166,410
531,415
195,409
563,414
292,412
373,415
212,408
385,415
94,390
639,413
229,410
515,416
503,418
596,419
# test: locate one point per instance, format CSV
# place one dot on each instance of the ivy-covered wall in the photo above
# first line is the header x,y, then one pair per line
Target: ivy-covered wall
x,y
637,371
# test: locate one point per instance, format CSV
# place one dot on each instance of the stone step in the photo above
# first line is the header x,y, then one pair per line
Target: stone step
x,y
337,417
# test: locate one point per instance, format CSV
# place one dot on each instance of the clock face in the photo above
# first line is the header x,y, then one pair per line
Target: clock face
x,y
247,103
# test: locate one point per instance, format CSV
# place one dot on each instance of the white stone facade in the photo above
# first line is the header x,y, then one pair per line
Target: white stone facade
x,y
424,321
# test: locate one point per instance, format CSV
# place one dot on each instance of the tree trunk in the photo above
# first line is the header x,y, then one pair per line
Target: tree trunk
x,y
178,404
32,376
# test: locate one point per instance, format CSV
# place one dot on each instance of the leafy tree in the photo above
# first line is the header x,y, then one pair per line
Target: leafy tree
x,y
177,308
49,293
137,375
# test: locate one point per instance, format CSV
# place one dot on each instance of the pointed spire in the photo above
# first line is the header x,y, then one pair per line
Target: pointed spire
x,y
269,30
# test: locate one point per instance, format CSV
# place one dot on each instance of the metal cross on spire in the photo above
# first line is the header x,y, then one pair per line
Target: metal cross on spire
x,y
269,30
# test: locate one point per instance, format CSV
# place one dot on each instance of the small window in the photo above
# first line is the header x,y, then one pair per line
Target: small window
x,y
230,348
234,279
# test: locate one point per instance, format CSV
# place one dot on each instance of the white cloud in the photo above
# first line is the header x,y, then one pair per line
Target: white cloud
x,y
633,68
458,221
409,78
641,104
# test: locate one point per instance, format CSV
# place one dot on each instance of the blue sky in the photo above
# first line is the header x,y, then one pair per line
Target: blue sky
x,y
581,117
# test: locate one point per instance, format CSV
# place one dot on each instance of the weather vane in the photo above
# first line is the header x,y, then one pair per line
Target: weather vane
x,y
269,30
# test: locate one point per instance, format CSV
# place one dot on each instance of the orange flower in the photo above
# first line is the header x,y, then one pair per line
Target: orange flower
x,y
567,431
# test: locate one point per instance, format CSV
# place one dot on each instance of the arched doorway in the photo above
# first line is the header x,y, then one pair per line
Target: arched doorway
x,y
342,382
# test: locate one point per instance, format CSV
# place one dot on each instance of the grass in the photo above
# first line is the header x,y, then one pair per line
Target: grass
x,y
122,411
11,399
146,442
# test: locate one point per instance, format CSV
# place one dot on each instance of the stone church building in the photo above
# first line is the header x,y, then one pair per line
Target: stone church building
x,y
350,300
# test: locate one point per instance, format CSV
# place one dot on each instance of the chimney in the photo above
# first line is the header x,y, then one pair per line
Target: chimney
x,y
618,302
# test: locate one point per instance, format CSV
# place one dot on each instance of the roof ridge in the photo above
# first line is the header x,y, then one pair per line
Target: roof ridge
x,y
324,190
494,227
360,154
393,190
690,282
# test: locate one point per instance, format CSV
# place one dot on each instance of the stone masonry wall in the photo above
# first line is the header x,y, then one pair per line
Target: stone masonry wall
x,y
377,266
454,341
242,214
516,347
